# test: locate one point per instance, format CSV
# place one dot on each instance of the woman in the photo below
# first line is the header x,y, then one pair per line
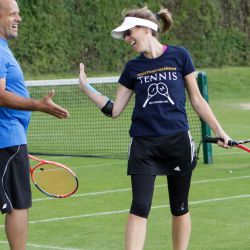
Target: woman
x,y
161,143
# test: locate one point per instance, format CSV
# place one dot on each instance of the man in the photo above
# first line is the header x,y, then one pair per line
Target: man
x,y
15,107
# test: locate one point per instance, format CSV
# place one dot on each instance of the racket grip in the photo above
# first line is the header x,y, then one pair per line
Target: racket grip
x,y
210,139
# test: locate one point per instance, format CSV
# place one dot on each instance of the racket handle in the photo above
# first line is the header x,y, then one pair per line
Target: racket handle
x,y
210,139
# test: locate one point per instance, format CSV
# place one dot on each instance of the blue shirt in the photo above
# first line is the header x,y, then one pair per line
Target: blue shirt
x,y
13,123
159,88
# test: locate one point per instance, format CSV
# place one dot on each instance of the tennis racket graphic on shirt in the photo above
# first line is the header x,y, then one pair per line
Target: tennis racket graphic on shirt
x,y
53,179
163,90
152,91
231,143
159,88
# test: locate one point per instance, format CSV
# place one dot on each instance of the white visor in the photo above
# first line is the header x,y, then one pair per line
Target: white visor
x,y
130,22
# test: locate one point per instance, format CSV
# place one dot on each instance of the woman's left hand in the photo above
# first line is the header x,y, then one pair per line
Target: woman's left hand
x,y
225,137
82,76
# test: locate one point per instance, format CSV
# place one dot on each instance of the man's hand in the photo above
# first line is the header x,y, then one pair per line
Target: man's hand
x,y
47,105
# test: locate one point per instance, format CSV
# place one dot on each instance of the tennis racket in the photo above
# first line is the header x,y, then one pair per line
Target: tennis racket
x,y
152,91
231,143
163,90
52,178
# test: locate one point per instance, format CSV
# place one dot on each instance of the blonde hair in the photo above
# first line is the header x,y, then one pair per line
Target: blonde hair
x,y
164,15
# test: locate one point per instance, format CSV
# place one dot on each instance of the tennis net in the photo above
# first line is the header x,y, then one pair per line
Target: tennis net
x,y
87,132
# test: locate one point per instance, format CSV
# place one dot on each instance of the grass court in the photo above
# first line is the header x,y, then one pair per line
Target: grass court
x,y
94,218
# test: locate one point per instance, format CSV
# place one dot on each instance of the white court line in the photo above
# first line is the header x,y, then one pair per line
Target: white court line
x,y
120,211
43,246
83,167
99,165
128,189
123,211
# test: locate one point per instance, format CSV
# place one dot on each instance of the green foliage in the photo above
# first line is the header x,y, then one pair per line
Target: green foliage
x,y
54,37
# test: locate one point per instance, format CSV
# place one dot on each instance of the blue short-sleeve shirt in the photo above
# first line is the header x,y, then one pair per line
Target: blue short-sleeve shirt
x,y
159,88
13,123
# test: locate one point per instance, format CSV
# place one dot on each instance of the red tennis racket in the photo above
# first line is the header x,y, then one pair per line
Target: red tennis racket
x,y
231,143
53,179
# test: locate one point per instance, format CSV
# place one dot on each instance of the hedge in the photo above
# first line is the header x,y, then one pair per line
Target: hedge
x,y
55,35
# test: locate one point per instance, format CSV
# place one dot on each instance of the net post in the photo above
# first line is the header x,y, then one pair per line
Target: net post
x,y
205,129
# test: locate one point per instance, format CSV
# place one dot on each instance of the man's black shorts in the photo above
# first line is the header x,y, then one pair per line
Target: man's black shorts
x,y
15,191
165,155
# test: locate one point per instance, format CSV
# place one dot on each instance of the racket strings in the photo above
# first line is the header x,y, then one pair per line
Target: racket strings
x,y
54,179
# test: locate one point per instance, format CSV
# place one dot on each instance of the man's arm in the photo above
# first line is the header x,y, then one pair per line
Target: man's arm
x,y
46,105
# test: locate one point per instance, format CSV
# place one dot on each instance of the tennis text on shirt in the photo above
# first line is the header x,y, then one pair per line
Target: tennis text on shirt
x,y
159,88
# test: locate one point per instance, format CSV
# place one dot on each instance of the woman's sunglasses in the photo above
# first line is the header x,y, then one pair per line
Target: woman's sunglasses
x,y
127,33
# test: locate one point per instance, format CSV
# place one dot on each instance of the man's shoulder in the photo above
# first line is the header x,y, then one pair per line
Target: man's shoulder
x,y
5,52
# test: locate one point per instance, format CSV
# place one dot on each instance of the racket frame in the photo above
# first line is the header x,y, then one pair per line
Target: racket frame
x,y
243,147
44,162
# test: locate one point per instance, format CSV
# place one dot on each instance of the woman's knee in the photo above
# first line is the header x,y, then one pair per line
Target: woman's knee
x,y
141,209
179,208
